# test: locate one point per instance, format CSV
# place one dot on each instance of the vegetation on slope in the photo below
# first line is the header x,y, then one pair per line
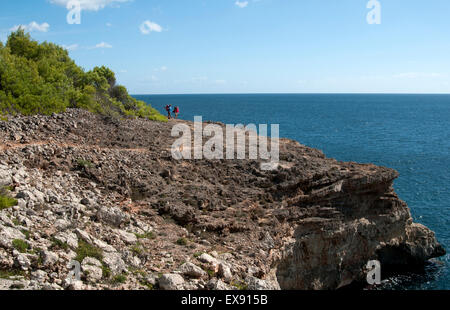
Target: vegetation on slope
x,y
41,78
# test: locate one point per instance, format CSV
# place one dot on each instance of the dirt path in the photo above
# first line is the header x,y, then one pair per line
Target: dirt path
x,y
14,146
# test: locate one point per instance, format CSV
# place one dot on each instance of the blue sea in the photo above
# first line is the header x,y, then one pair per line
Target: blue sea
x,y
410,133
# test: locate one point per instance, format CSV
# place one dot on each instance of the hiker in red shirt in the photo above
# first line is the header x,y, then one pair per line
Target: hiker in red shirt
x,y
176,111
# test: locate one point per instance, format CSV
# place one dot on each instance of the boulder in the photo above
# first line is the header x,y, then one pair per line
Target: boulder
x,y
193,271
171,282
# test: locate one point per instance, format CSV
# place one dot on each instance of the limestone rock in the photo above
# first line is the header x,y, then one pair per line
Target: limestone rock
x,y
191,270
171,282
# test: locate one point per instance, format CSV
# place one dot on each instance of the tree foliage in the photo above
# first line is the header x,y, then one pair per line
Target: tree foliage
x,y
41,78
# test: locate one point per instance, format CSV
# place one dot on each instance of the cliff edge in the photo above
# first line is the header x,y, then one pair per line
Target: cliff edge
x,y
108,194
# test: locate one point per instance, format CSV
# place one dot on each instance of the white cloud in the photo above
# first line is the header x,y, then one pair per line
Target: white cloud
x,y
91,5
33,26
103,45
71,47
148,26
161,69
241,4
108,25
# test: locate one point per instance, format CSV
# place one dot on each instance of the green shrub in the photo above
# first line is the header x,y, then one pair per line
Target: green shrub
x,y
60,245
6,201
137,249
26,233
84,163
119,279
106,271
20,245
8,273
86,250
42,79
240,285
211,273
198,254
182,241
147,235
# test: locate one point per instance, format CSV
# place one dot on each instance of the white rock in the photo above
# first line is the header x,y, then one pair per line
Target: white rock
x,y
255,284
225,272
83,235
22,261
114,261
93,273
113,216
126,236
218,285
62,224
76,286
213,262
5,176
171,282
39,275
103,245
8,234
49,258
69,238
191,270
90,261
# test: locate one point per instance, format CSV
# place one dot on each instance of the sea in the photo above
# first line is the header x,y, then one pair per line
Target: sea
x,y
410,133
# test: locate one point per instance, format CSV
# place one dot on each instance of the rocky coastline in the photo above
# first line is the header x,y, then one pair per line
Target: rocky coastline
x,y
107,193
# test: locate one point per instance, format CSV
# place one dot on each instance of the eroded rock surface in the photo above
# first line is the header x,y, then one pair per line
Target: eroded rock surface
x,y
109,192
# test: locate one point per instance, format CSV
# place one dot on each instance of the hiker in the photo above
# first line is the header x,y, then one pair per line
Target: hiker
x,y
169,110
176,110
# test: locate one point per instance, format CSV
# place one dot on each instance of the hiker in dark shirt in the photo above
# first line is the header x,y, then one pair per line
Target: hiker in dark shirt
x,y
169,110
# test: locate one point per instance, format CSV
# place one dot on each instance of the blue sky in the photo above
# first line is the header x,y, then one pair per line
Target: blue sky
x,y
252,46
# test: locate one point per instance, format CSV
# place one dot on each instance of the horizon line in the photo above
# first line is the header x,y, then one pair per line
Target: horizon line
x,y
286,93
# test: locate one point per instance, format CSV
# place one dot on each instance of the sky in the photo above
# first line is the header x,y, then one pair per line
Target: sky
x,y
250,46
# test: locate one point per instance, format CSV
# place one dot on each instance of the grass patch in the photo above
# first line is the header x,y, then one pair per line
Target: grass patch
x,y
211,273
20,245
26,233
6,201
182,241
240,285
149,286
137,249
6,274
138,272
106,272
198,254
86,250
119,279
60,245
84,163
147,235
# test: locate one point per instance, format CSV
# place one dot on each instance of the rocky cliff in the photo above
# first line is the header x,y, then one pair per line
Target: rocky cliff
x,y
108,194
